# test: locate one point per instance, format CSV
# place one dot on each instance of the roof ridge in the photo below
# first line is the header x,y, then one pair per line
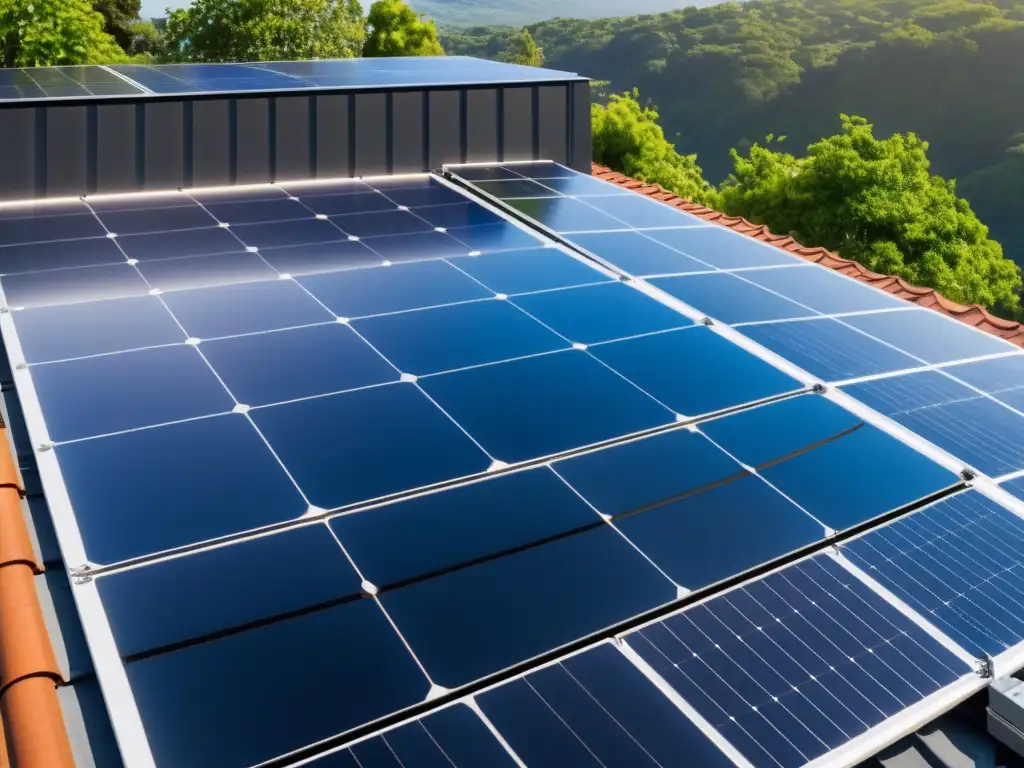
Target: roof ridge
x,y
970,314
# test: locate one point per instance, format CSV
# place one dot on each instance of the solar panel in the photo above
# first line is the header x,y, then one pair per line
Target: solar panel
x,y
386,423
142,80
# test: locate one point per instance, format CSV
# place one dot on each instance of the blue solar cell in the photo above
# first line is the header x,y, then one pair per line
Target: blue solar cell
x,y
828,349
234,484
93,328
230,310
458,336
254,211
187,599
536,269
431,194
580,185
513,189
41,207
478,620
304,189
381,223
638,255
362,292
313,258
244,194
207,78
453,736
757,661
663,365
368,443
278,234
565,214
721,248
348,203
1016,487
35,257
206,271
156,219
596,709
444,531
978,431
192,718
100,395
674,494
543,169
1002,378
63,286
543,405
301,362
824,290
928,335
603,312
457,215
805,447
40,229
484,172
145,202
418,246
730,299
187,242
958,563
639,212
493,237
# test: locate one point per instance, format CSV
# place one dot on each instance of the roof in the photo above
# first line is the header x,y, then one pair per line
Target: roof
x,y
971,314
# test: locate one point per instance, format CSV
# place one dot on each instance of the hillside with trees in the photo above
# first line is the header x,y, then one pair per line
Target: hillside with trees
x,y
726,76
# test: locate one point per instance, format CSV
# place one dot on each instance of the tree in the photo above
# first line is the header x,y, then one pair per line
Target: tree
x,y
118,16
628,139
265,30
146,39
395,29
522,49
41,33
876,202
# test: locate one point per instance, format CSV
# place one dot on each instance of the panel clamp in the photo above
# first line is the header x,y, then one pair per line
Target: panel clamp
x,y
986,667
81,575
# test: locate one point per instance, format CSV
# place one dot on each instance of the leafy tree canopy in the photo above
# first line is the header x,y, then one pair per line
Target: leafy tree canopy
x,y
41,33
522,49
628,138
118,16
875,201
395,29
265,30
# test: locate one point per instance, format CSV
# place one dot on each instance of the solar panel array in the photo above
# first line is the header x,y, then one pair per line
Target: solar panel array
x,y
141,80
326,454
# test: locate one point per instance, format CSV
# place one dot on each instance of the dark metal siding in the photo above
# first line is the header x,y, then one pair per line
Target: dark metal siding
x,y
127,145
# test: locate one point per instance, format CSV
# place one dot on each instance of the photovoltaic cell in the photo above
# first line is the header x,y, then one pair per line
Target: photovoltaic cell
x,y
828,349
665,366
959,564
638,255
599,313
453,736
205,271
234,484
39,229
566,214
797,663
929,336
37,257
62,82
721,248
974,428
825,291
535,269
729,299
639,212
595,709
320,257
416,246
494,237
542,405
804,446
1002,378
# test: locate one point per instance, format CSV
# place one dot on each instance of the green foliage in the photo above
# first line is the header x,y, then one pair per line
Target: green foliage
x,y
522,49
146,39
628,138
118,16
39,33
875,201
265,30
395,29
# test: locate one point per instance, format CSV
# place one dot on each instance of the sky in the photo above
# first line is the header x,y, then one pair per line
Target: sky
x,y
156,8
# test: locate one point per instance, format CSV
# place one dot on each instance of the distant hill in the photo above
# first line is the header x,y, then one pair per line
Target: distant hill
x,y
727,75
519,12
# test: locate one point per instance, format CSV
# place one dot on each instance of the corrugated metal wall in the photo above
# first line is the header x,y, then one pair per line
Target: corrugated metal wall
x,y
60,149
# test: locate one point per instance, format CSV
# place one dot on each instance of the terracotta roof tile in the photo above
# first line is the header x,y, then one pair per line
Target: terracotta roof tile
x,y
971,314
32,730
